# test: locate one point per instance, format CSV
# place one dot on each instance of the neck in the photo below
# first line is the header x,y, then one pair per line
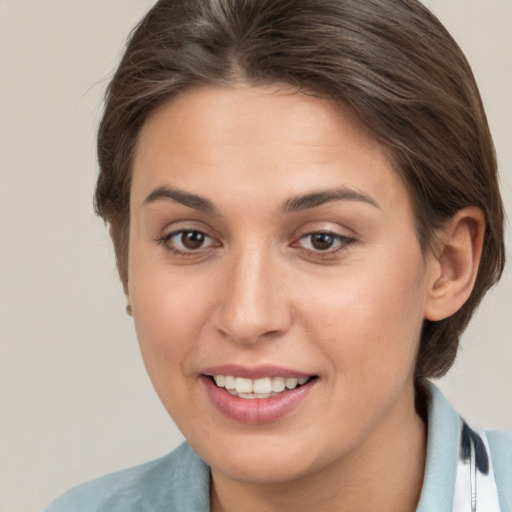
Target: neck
x,y
385,474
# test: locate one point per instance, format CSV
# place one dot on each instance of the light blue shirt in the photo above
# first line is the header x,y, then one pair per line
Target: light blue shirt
x,y
180,481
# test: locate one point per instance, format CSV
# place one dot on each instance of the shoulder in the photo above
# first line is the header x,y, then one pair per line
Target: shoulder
x,y
166,484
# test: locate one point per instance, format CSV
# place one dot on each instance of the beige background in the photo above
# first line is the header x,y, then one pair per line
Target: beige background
x,y
75,400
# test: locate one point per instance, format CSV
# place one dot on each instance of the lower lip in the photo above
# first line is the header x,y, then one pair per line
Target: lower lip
x,y
256,410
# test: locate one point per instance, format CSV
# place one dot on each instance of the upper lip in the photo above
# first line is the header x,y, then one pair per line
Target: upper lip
x,y
253,372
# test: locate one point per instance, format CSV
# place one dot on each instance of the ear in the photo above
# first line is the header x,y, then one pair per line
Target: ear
x,y
455,261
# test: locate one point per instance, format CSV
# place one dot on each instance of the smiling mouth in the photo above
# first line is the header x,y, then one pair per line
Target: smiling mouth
x,y
266,387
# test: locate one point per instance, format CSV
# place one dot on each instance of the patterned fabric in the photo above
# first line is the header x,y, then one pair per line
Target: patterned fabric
x,y
475,486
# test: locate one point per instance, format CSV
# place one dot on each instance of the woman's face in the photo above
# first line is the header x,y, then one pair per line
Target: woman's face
x,y
271,241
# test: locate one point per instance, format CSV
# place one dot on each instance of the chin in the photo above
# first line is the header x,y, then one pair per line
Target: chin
x,y
262,471
264,460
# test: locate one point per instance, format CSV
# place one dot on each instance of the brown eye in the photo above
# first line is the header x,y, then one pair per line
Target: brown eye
x,y
325,242
187,241
192,239
322,241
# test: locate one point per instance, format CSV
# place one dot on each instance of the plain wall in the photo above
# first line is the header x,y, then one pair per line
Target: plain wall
x,y
75,398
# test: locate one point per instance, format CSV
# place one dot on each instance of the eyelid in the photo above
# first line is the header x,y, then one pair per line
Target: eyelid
x,y
343,243
166,241
333,234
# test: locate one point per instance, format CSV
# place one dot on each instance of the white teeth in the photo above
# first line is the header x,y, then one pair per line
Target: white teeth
x,y
220,380
243,385
229,383
278,384
251,396
262,385
291,383
258,388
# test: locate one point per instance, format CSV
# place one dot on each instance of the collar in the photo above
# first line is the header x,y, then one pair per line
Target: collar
x,y
459,475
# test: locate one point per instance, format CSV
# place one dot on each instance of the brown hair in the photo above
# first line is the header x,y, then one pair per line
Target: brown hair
x,y
392,61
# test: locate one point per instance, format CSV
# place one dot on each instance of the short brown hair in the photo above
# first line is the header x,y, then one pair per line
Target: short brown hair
x,y
392,61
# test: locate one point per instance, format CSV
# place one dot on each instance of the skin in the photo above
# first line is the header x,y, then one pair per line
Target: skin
x,y
258,291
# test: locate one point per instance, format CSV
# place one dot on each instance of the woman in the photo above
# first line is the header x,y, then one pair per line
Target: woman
x,y
303,201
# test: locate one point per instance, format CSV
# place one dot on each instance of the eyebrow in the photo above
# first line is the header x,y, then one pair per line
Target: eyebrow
x,y
294,204
194,201
314,199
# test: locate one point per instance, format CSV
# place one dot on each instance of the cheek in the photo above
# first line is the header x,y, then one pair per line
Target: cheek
x,y
165,313
167,320
369,323
168,310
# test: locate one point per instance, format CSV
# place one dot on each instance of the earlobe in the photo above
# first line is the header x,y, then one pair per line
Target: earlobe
x,y
455,264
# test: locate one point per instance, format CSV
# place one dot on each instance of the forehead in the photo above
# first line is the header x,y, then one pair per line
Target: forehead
x,y
272,139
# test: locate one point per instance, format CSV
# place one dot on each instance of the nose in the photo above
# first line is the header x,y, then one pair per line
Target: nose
x,y
253,305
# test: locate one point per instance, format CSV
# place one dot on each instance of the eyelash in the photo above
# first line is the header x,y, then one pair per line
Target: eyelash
x,y
343,242
166,241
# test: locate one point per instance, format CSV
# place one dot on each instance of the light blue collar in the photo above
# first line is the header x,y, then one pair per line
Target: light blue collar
x,y
442,455
459,474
